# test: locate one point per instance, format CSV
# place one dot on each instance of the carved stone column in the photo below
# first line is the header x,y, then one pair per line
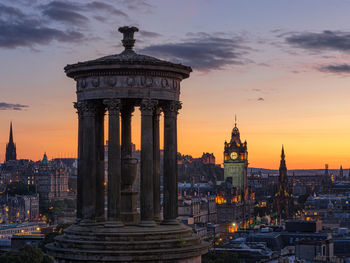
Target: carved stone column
x,y
156,165
87,173
170,162
114,163
100,161
129,214
81,164
146,187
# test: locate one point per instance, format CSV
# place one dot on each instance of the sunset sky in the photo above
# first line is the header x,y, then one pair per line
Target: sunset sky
x,y
282,66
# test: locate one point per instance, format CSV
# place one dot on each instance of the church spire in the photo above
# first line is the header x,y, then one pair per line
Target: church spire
x,y
11,134
11,147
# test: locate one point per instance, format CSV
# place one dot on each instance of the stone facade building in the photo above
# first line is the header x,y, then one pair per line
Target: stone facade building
x,y
51,179
19,208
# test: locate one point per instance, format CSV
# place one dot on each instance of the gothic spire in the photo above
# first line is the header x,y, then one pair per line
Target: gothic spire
x,y
10,147
283,160
11,135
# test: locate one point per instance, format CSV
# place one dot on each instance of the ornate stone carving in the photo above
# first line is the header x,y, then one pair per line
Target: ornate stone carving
x,y
87,108
171,108
147,106
111,81
95,81
130,81
113,106
164,83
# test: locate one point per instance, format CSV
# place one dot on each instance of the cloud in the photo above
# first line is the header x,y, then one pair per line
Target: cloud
x,y
326,40
335,68
149,34
62,12
261,99
106,7
202,51
13,35
21,30
11,106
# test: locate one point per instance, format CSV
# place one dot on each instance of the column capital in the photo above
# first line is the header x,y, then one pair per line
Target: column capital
x,y
113,105
88,108
147,106
171,108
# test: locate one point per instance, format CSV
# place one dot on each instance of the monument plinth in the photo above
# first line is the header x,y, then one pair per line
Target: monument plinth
x,y
117,84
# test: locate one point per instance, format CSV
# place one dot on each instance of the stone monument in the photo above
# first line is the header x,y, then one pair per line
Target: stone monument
x,y
117,84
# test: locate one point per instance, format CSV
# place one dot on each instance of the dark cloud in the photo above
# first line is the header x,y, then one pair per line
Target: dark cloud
x,y
11,106
327,40
63,12
13,35
202,51
336,68
9,11
18,29
261,99
149,34
106,7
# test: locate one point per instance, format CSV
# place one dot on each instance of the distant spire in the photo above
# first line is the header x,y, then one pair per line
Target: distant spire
x,y
282,154
235,120
11,134
10,147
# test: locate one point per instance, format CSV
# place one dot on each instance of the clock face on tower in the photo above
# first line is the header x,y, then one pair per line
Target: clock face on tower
x,y
233,155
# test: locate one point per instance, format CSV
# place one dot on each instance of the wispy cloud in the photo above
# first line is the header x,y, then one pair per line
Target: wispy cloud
x,y
326,40
335,68
203,52
11,106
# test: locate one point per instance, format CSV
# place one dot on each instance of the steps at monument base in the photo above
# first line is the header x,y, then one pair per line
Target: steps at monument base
x,y
64,242
67,255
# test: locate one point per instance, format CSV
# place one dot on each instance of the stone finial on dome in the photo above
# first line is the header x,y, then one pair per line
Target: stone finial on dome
x,y
128,36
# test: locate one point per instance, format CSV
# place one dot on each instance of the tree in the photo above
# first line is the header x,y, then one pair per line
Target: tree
x,y
27,254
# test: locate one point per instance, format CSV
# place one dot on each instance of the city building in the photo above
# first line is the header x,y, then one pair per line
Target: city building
x,y
51,179
19,208
236,160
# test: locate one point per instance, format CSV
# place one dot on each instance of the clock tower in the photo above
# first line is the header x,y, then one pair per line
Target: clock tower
x,y
236,160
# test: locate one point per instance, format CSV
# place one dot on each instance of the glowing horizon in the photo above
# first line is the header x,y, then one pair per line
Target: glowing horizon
x,y
285,78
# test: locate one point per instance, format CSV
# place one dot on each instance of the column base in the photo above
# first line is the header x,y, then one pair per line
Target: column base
x,y
129,214
147,223
87,222
170,222
112,223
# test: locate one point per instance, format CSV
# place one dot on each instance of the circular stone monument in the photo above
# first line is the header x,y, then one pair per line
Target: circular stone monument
x,y
117,84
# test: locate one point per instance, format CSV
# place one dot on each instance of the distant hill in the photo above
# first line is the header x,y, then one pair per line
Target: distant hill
x,y
297,171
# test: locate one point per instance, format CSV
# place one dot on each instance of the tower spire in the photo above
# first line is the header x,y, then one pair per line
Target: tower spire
x,y
282,154
235,120
11,134
10,147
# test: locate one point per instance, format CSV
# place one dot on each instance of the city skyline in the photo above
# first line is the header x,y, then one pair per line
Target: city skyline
x,y
286,83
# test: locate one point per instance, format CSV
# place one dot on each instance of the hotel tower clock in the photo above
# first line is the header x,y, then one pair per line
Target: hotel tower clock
x,y
236,160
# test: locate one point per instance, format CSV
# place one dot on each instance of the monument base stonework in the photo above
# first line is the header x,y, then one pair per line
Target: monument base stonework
x,y
97,243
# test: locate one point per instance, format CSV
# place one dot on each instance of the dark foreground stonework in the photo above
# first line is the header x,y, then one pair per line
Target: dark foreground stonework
x,y
174,243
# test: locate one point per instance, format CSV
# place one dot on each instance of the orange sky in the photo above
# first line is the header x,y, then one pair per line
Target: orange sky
x,y
277,89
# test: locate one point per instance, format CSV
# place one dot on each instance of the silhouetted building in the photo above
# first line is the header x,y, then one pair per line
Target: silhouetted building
x,y
283,198
11,148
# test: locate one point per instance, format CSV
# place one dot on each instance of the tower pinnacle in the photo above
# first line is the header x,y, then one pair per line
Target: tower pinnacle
x,y
11,147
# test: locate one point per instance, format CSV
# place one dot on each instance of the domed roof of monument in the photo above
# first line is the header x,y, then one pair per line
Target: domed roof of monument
x,y
128,58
